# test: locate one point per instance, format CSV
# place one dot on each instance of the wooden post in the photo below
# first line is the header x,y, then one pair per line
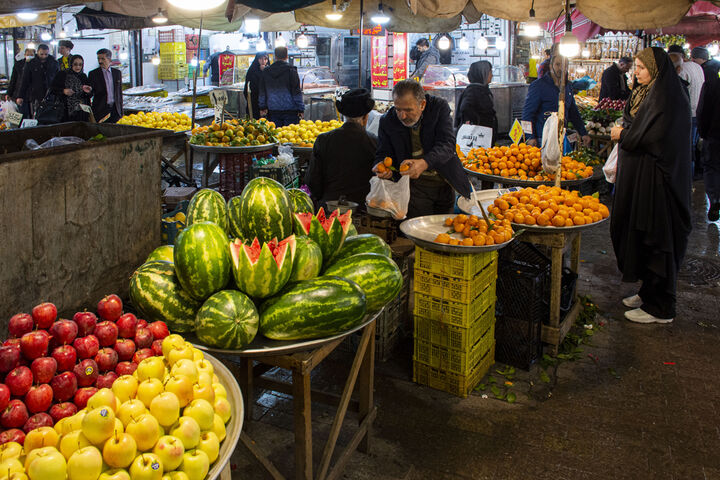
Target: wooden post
x,y
195,75
561,118
303,425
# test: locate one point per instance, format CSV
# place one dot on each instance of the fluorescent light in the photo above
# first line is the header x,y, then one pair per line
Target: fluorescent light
x,y
159,18
463,43
54,43
532,27
334,15
280,41
535,57
31,46
26,16
380,18
586,53
155,60
62,34
302,41
123,55
261,45
482,43
569,45
500,44
686,46
45,37
444,43
196,5
251,25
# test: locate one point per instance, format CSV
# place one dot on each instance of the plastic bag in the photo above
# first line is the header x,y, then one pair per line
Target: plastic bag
x,y
610,167
285,155
390,196
31,144
6,107
550,145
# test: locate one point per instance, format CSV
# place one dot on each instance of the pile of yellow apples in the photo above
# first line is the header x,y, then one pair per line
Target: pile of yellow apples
x,y
164,422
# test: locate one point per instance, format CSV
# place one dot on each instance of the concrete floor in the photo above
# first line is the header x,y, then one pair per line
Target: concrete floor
x,y
641,402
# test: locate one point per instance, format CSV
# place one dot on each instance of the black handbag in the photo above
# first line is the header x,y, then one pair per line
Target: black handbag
x,y
51,110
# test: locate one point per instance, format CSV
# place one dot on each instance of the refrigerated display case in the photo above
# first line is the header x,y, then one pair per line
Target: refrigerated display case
x,y
319,86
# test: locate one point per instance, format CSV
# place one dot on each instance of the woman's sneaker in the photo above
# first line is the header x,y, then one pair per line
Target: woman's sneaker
x,y
633,302
641,316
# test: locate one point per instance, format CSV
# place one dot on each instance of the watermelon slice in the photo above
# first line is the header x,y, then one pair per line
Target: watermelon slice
x,y
261,271
328,232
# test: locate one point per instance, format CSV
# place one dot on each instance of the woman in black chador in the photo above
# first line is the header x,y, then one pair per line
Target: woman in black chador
x,y
475,105
650,221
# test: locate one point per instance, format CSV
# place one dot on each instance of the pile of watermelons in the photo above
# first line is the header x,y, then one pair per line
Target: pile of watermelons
x,y
264,262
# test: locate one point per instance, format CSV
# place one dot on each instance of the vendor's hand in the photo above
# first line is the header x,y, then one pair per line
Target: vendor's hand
x,y
615,133
301,115
87,88
586,140
19,101
416,168
68,92
386,174
532,142
263,113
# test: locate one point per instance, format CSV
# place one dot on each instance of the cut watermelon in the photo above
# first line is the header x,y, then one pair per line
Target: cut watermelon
x,y
328,232
262,271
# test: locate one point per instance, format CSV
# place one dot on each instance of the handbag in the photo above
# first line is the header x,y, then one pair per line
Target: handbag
x,y
51,110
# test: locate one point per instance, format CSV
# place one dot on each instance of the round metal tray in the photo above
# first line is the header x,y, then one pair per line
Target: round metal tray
x,y
537,229
423,230
523,183
262,346
486,198
136,91
251,149
301,149
234,425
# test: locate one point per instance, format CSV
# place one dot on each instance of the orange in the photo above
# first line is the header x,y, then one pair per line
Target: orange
x,y
530,220
443,238
468,242
479,240
569,222
459,227
519,218
489,240
543,220
558,221
454,241
604,211
448,221
579,220
388,162
405,167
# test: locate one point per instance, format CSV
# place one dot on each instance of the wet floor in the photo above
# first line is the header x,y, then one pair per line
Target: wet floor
x,y
640,402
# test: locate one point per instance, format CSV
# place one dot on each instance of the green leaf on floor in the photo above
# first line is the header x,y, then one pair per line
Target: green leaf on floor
x,y
495,390
491,380
481,386
510,397
612,372
544,376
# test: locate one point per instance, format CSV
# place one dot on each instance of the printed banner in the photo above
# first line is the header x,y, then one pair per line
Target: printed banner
x,y
379,62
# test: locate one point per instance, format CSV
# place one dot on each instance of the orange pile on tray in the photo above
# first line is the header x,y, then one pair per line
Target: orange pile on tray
x,y
549,207
475,231
521,162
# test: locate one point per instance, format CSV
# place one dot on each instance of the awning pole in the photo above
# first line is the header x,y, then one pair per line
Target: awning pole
x,y
195,74
360,50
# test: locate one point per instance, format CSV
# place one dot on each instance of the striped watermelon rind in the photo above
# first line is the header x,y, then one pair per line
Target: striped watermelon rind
x,y
228,319
202,259
308,260
259,271
316,308
207,205
234,228
365,243
378,276
301,201
329,233
162,253
156,293
352,231
265,211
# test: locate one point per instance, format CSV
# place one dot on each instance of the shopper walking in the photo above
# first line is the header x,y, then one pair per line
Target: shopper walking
x,y
417,131
543,68
650,221
16,78
429,55
280,96
252,83
106,83
708,116
37,75
476,105
613,84
65,49
701,56
73,86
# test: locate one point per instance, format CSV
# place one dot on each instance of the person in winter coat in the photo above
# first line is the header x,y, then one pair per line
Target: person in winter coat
x,y
106,85
281,98
252,81
37,76
65,49
475,106
16,77
701,56
73,86
613,84
429,55
708,118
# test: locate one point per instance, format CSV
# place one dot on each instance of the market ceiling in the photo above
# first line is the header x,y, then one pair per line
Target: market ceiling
x,y
407,15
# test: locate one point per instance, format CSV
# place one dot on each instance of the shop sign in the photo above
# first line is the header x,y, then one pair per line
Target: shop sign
x,y
473,136
400,60
371,31
226,62
516,132
379,63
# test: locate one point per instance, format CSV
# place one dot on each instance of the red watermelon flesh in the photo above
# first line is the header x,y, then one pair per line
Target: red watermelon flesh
x,y
328,232
262,271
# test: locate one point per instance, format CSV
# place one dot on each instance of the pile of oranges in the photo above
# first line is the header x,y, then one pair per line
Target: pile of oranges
x,y
548,207
520,162
475,231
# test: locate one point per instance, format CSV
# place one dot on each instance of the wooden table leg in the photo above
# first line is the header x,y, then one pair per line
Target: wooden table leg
x,y
246,385
575,255
303,425
556,256
366,385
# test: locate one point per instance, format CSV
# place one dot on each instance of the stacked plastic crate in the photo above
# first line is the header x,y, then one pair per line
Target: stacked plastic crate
x,y
454,316
173,64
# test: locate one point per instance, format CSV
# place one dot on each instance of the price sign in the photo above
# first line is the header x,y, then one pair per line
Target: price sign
x,y
516,132
218,97
526,126
14,118
219,114
473,136
28,122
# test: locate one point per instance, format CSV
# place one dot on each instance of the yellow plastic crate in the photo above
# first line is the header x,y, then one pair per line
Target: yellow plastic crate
x,y
173,58
454,313
172,47
451,288
450,382
451,336
464,266
172,72
456,361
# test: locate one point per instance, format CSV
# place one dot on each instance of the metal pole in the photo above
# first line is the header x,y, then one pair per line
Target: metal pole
x,y
362,28
5,46
561,118
195,75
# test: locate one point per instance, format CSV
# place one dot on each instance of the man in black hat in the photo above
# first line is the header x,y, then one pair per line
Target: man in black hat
x,y
65,50
342,159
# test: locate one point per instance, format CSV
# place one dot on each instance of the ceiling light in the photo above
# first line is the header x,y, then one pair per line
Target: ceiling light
x,y
123,55
54,43
31,46
159,18
500,44
75,35
45,37
261,45
463,43
532,27
380,18
686,46
280,41
482,43
569,45
444,42
62,34
26,16
581,70
302,41
194,62
195,5
586,53
334,15
251,25
713,49
155,60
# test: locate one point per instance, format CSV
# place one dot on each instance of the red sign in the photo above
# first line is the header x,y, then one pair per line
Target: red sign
x,y
400,60
226,63
379,62
372,31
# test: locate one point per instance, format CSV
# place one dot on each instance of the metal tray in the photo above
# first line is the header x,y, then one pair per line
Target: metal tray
x,y
139,91
537,229
300,149
523,183
251,149
423,230
378,212
262,346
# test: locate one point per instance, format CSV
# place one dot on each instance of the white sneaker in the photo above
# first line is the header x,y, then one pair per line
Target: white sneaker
x,y
639,315
633,302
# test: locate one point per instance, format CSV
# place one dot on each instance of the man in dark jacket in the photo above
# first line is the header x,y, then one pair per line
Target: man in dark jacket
x,y
418,132
708,118
37,75
342,159
281,98
106,83
701,56
429,55
13,90
613,84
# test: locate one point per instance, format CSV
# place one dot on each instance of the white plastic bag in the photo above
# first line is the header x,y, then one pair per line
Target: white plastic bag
x,y
610,167
6,107
390,196
550,145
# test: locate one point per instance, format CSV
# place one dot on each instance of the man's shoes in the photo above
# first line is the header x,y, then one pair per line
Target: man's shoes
x,y
641,316
633,302
714,212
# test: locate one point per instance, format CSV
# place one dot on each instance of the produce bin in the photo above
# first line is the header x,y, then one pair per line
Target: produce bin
x,y
78,218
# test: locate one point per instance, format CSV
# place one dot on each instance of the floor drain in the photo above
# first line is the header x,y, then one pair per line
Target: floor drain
x,y
700,271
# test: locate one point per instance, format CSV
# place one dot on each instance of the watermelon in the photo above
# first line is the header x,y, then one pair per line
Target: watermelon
x,y
262,271
156,293
202,259
365,243
315,308
207,205
352,231
163,252
308,260
234,228
301,201
227,320
264,210
328,233
378,276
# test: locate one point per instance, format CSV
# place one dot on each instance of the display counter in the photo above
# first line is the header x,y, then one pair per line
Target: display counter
x,y
319,86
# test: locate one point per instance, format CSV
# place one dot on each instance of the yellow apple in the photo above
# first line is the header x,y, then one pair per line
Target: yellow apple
x,y
120,450
205,366
210,444
73,441
102,398
195,464
202,411
219,390
170,451
129,410
185,367
75,422
115,474
119,427
176,475
204,391
85,464
149,389
170,342
188,431
10,450
46,463
145,430
182,387
166,409
218,427
223,408
146,467
125,387
215,378
14,465
197,354
178,354
17,476
61,427
151,367
41,437
98,425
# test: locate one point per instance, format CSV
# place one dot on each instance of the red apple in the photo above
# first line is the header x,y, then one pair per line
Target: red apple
x,y
143,338
157,348
110,308
62,410
142,354
106,333
39,398
63,332
125,349
12,342
83,395
141,323
4,396
86,347
43,369
86,373
12,435
86,322
38,420
19,381
125,368
20,324
9,357
159,330
64,386
106,380
15,415
66,357
106,359
127,325
35,344
44,314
